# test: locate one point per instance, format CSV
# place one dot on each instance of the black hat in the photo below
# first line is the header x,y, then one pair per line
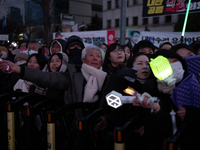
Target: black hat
x,y
74,41
143,44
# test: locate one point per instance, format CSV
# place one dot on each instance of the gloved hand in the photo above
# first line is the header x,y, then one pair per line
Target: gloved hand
x,y
127,73
165,87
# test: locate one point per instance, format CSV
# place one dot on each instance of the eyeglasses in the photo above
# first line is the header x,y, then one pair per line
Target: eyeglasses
x,y
117,50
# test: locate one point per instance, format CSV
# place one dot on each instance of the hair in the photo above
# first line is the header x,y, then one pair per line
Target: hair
x,y
143,44
86,49
105,45
40,59
42,51
133,58
59,56
132,32
23,42
182,45
34,42
165,42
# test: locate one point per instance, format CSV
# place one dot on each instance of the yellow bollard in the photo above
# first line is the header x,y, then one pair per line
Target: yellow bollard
x,y
119,144
51,144
11,128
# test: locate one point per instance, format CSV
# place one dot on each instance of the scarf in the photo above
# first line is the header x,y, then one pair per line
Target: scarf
x,y
95,79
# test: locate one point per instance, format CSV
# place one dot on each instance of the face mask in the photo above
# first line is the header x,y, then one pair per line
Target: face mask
x,y
178,71
22,50
32,52
75,52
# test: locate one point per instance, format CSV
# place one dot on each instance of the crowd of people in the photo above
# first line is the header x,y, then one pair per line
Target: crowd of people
x,y
71,72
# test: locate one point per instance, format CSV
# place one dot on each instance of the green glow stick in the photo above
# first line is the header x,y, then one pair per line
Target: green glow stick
x,y
186,17
160,67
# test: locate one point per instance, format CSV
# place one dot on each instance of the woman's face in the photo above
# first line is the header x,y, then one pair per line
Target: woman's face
x,y
55,63
142,65
55,48
104,47
33,63
127,52
183,52
117,57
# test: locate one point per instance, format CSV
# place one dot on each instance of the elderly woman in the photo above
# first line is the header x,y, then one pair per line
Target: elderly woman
x,y
81,84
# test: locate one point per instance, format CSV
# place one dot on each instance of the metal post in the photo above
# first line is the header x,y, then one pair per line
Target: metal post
x,y
123,22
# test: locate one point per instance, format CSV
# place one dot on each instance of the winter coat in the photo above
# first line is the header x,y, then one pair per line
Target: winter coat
x,y
72,81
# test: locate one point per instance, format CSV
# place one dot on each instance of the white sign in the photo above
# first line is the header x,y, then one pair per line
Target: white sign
x,y
157,37
4,37
89,37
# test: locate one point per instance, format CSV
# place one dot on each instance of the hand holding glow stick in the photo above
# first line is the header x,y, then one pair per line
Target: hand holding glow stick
x,y
115,99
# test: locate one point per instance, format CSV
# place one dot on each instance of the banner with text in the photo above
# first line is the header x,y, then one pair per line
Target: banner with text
x,y
89,37
157,37
164,7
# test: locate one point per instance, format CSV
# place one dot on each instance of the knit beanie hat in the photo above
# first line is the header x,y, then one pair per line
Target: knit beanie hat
x,y
21,56
74,41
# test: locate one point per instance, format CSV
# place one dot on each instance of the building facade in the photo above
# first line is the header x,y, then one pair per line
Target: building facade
x,y
134,19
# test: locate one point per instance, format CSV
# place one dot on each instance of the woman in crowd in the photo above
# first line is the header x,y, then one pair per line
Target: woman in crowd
x,y
104,46
56,63
127,51
36,61
114,59
136,78
184,50
57,45
159,125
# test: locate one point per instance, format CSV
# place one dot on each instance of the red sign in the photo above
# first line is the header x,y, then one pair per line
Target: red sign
x,y
110,37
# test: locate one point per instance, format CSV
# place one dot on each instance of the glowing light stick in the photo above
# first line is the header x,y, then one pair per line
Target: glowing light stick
x,y
185,21
115,99
162,69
